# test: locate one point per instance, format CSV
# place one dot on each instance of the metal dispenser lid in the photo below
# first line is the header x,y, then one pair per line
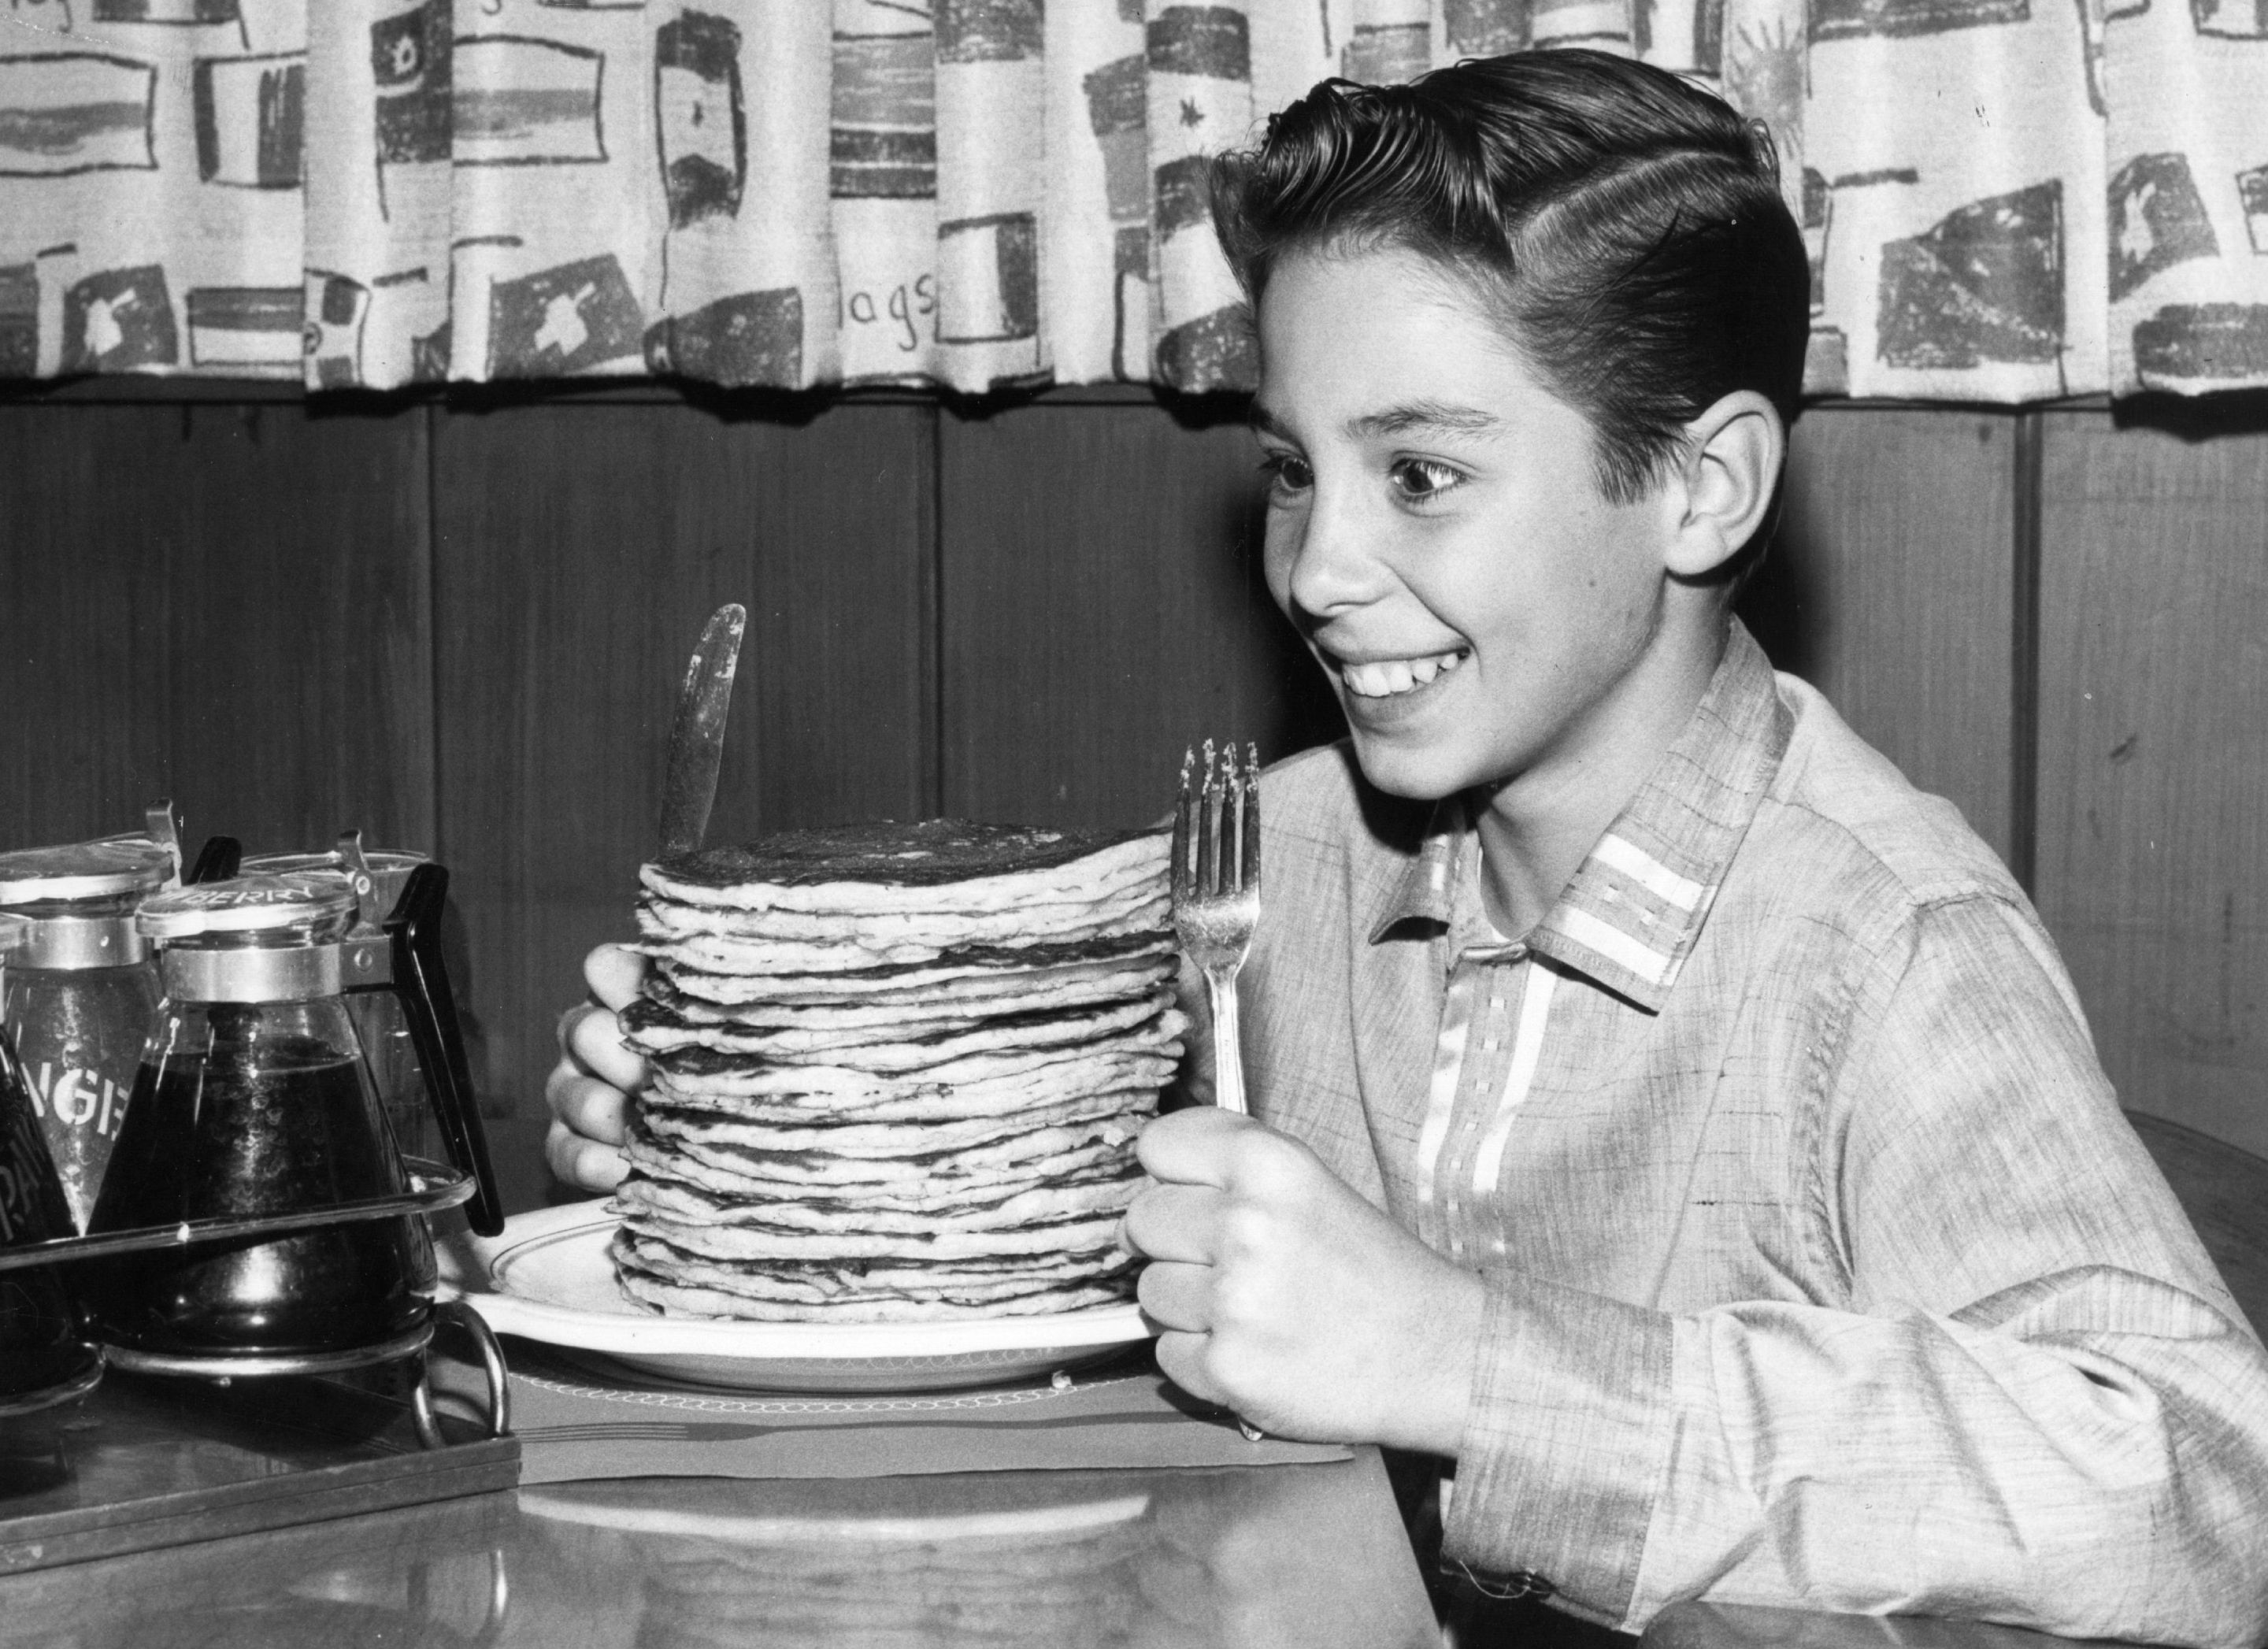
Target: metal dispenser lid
x,y
251,909
381,862
377,875
263,938
83,869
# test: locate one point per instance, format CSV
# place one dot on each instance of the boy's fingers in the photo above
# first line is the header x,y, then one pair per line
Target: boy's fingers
x,y
615,973
586,1106
1181,1358
1176,1297
555,1085
572,1016
1175,1222
593,1042
583,1163
1193,1146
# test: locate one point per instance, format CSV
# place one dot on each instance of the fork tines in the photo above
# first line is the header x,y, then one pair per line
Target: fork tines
x,y
1217,823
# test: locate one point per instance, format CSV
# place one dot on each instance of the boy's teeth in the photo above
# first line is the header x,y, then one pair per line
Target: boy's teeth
x,y
1391,676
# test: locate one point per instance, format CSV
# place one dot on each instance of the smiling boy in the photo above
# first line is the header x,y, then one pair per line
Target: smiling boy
x,y
1668,1114
1662,1110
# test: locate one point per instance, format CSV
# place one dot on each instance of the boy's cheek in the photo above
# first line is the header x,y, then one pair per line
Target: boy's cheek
x,y
1281,534
1277,570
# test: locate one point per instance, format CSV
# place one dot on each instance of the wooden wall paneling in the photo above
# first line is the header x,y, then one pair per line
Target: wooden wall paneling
x,y
1101,610
302,670
85,609
225,603
580,547
2153,758
1892,590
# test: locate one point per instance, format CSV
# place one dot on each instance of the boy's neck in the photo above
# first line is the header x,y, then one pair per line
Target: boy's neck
x,y
1537,827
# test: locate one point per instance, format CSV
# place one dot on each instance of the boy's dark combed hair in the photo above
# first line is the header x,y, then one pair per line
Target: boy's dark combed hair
x,y
1626,228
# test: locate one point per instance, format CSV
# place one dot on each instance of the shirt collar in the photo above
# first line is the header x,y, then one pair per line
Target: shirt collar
x,y
1426,889
1630,915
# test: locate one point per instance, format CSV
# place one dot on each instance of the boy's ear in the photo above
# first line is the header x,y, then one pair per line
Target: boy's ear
x,y
1732,462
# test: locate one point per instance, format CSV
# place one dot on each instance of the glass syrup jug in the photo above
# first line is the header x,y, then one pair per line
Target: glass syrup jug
x,y
80,993
254,1097
387,1040
44,1356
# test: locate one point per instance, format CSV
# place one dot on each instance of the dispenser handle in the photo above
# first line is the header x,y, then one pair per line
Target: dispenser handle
x,y
413,927
217,861
164,828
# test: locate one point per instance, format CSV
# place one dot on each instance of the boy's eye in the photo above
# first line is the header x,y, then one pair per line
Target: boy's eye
x,y
1285,473
1421,480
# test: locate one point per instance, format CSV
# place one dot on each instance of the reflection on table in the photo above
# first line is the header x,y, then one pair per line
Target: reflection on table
x,y
1312,1556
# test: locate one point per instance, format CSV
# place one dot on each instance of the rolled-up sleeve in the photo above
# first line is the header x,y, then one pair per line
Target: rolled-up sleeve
x,y
2035,1402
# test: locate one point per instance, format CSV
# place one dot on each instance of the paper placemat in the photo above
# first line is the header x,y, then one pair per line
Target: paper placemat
x,y
574,1423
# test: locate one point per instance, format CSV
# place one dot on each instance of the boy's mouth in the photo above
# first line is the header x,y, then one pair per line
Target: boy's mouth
x,y
1389,678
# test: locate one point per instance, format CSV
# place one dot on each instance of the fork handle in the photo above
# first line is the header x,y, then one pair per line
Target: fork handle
x,y
1228,1048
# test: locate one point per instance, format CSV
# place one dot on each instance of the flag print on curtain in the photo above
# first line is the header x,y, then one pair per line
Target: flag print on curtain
x,y
554,262
150,199
78,112
992,150
1198,59
379,173
2188,193
1391,41
1953,161
2004,201
882,150
741,92
1094,235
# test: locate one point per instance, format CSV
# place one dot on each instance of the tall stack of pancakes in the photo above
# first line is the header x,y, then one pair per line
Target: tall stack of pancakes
x,y
899,1070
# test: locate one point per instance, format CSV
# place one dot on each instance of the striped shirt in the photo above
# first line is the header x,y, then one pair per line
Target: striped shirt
x,y
1823,1269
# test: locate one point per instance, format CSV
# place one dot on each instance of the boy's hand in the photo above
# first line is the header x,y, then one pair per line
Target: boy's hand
x,y
1285,1296
591,1086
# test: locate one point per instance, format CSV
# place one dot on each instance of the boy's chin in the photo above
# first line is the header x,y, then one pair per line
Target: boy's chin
x,y
1414,771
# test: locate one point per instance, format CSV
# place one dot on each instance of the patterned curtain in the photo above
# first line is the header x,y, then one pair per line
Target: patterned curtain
x,y
2005,199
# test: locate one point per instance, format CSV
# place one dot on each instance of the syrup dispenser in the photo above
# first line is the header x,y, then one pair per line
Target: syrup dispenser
x,y
385,1038
255,1100
44,1358
80,989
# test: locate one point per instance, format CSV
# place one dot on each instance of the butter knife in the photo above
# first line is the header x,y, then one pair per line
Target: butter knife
x,y
696,738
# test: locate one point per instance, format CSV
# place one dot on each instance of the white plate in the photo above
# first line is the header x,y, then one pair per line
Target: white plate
x,y
548,1277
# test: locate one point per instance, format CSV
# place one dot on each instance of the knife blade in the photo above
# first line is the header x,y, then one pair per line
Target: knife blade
x,y
696,738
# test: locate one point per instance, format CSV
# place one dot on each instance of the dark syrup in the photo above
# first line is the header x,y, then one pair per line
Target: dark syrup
x,y
215,1135
41,1346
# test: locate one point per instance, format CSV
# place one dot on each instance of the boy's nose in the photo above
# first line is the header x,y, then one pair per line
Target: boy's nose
x,y
1334,562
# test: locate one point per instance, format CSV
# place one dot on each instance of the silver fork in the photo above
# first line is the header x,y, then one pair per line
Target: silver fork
x,y
1216,881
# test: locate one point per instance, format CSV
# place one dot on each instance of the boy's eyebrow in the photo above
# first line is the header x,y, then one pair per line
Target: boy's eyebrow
x,y
1395,420
1424,414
